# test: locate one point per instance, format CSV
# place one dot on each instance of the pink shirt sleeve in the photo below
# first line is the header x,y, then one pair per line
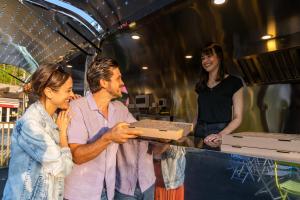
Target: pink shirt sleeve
x,y
129,117
77,131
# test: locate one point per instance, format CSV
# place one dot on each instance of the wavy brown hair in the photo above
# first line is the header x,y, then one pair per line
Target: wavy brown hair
x,y
48,75
100,68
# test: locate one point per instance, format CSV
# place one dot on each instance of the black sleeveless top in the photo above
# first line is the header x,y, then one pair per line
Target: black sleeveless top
x,y
215,104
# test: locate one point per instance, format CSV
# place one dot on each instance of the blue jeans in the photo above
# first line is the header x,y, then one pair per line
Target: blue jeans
x,y
204,129
104,195
138,194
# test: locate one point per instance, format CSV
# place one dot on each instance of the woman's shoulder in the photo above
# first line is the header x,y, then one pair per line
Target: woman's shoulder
x,y
32,112
234,79
234,83
33,116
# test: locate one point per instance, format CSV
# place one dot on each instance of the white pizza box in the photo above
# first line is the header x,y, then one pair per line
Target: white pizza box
x,y
275,141
288,156
162,129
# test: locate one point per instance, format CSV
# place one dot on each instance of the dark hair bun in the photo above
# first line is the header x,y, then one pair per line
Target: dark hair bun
x,y
27,88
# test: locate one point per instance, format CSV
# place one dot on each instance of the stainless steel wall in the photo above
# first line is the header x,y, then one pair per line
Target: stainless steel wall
x,y
271,108
182,28
169,31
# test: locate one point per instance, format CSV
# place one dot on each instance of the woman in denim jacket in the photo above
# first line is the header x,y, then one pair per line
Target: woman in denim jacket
x,y
40,155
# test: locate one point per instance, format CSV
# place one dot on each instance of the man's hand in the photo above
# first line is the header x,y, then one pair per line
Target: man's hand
x,y
120,133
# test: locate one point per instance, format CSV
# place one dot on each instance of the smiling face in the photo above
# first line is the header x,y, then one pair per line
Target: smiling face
x,y
114,86
210,60
61,97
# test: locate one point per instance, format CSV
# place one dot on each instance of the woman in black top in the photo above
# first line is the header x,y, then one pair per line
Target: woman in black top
x,y
220,98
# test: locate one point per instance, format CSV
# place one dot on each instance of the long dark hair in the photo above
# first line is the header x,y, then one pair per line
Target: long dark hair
x,y
210,49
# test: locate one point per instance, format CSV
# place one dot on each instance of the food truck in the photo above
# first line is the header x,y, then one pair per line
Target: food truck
x,y
158,45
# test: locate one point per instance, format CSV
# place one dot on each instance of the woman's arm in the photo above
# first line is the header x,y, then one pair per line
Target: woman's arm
x,y
62,122
235,122
237,113
42,148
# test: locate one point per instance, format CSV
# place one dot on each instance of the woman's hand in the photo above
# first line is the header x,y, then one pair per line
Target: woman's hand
x,y
62,122
213,140
76,96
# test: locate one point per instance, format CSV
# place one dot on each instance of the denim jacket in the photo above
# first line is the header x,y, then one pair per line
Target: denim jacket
x,y
37,164
173,165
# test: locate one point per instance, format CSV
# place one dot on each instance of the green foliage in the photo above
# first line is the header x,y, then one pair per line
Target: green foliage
x,y
10,69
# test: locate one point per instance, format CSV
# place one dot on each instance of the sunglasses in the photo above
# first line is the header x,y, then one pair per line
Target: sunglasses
x,y
60,69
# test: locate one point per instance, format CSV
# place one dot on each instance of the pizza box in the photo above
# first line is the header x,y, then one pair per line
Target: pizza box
x,y
288,156
263,140
162,129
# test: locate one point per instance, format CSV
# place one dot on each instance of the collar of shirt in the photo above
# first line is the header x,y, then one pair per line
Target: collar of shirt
x,y
92,104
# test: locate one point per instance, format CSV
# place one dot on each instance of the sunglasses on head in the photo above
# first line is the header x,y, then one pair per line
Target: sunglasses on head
x,y
60,69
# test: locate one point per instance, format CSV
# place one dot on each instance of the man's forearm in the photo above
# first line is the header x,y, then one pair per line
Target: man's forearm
x,y
86,152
